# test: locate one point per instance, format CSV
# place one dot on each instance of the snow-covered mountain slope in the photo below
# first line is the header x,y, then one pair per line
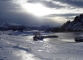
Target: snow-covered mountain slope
x,y
76,25
20,46
14,26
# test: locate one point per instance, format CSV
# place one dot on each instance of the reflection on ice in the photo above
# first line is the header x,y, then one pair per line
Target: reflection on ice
x,y
50,39
59,40
62,37
68,40
39,50
25,55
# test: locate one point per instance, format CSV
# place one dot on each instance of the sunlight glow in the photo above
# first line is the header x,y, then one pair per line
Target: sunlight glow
x,y
36,9
59,20
25,55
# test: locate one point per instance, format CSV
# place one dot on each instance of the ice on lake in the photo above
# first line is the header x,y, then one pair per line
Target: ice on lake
x,y
20,46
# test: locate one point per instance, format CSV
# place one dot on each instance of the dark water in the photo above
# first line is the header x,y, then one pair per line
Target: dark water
x,y
63,37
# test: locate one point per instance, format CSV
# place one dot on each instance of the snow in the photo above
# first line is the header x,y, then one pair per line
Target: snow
x,y
20,46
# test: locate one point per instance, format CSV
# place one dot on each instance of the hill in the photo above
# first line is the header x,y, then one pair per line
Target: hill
x,y
75,25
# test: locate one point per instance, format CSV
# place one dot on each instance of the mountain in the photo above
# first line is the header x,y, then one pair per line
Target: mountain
x,y
70,26
13,26
75,25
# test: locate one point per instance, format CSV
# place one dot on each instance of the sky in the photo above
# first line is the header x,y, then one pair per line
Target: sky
x,y
40,12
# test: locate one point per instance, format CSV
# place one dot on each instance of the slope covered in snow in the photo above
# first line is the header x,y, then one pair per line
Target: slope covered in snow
x,y
20,46
75,25
14,26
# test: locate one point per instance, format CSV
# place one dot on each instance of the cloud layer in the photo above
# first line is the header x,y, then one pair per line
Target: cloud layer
x,y
74,3
67,9
59,3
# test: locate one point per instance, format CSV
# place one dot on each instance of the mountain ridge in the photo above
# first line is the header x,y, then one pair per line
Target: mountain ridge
x,y
75,25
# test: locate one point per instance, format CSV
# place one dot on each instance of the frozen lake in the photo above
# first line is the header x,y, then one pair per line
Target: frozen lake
x,y
63,37
20,46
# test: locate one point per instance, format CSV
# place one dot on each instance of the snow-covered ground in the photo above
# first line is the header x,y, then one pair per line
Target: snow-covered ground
x,y
20,46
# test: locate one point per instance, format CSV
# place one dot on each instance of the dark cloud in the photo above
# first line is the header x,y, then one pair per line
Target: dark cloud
x,y
49,4
5,0
63,15
9,13
75,3
69,3
6,6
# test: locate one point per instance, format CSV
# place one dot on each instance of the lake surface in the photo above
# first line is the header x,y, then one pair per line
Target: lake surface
x,y
62,48
63,37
